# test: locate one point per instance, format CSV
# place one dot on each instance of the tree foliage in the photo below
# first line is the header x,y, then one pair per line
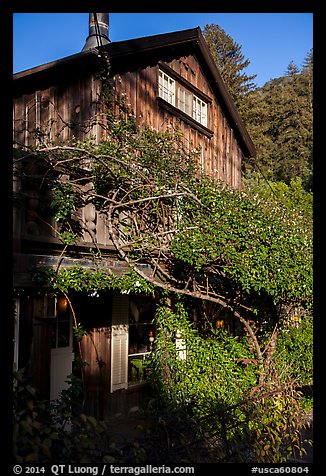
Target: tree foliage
x,y
278,116
231,64
199,238
213,386
295,347
280,122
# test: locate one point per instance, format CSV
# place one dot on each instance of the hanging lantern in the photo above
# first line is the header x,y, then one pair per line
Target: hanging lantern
x,y
62,304
219,323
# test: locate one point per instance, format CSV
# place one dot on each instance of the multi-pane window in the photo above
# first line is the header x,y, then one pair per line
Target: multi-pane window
x,y
56,309
185,99
182,98
141,338
166,88
61,331
200,111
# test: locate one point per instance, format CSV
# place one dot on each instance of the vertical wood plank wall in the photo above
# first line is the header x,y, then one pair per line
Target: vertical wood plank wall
x,y
95,350
74,109
222,153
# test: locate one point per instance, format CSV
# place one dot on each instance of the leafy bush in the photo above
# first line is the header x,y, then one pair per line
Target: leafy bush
x,y
295,348
33,432
212,385
45,432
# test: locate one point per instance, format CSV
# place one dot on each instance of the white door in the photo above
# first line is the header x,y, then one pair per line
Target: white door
x,y
61,367
61,349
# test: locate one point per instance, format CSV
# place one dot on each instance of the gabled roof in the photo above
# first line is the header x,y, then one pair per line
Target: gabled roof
x,y
148,49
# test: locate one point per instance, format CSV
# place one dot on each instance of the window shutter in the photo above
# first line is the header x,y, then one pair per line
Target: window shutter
x,y
119,342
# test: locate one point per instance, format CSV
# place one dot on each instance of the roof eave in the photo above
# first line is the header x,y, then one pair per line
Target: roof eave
x,y
54,64
237,121
152,43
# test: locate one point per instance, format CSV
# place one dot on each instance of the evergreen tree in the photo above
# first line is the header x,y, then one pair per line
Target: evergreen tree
x,y
278,116
292,70
307,80
294,138
231,64
280,124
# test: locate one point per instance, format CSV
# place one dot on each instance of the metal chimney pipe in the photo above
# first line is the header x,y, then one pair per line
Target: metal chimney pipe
x,y
97,36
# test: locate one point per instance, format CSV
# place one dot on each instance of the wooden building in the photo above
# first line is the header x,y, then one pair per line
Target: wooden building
x,y
168,79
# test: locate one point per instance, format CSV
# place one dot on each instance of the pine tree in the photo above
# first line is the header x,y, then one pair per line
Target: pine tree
x,y
307,76
231,63
280,124
292,70
307,80
278,116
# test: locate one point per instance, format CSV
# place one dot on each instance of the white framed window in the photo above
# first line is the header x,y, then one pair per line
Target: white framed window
x,y
182,98
185,99
132,338
166,88
141,338
57,309
200,111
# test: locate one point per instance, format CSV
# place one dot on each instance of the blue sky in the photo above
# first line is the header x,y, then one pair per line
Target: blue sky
x,y
269,40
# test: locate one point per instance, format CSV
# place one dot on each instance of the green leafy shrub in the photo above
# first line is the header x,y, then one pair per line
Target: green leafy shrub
x,y
33,431
45,432
212,385
295,349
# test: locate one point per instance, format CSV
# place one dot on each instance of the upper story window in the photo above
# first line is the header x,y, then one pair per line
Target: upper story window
x,y
166,88
185,100
182,98
199,112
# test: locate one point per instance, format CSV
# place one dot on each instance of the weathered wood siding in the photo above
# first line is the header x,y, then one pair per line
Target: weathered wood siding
x,y
95,351
62,108
94,313
222,155
59,111
74,108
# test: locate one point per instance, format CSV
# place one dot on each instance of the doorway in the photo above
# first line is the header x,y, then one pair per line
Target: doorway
x,y
61,348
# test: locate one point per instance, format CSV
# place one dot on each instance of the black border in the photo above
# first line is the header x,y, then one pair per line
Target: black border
x,y
250,6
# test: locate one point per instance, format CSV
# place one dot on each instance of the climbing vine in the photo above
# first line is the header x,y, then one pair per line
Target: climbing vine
x,y
209,389
198,237
181,233
93,281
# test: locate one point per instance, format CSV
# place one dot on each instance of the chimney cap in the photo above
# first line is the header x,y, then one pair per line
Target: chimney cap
x,y
98,31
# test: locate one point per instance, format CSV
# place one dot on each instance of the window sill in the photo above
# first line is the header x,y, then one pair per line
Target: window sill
x,y
139,353
184,117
